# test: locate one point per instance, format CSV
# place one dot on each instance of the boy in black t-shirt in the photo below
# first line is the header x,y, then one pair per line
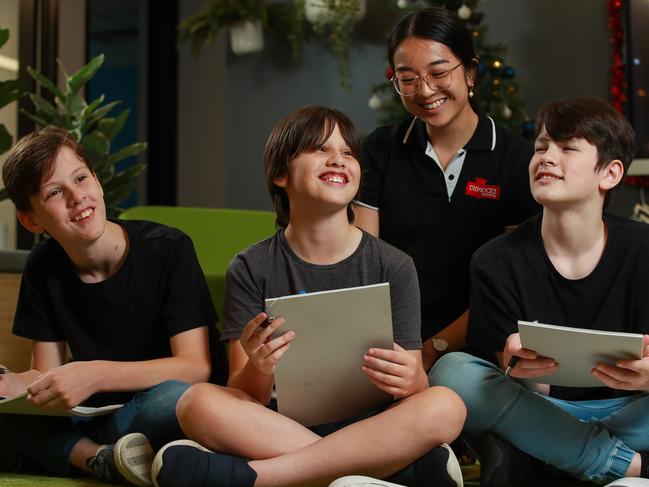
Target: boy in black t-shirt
x,y
130,302
572,266
313,175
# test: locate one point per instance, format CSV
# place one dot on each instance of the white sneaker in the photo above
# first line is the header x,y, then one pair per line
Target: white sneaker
x,y
629,482
360,481
133,457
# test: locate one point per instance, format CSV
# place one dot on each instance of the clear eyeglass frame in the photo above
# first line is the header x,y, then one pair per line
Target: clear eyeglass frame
x,y
436,82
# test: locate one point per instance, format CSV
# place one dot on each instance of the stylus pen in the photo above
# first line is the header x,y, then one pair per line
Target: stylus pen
x,y
512,363
4,370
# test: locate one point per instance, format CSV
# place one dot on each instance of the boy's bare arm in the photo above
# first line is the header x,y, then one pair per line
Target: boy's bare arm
x,y
45,356
254,356
398,372
455,336
68,385
14,383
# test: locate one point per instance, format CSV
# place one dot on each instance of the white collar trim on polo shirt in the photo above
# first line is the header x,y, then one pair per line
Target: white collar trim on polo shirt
x,y
493,131
409,131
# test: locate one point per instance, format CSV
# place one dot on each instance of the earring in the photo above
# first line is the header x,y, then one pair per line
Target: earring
x,y
471,92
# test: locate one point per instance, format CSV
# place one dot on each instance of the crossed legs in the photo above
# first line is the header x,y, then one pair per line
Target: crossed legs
x,y
285,453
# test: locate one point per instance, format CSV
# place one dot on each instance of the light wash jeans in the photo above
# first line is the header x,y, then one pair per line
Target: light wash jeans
x,y
46,441
592,440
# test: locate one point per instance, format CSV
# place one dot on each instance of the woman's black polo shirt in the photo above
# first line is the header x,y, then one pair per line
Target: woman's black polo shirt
x,y
441,234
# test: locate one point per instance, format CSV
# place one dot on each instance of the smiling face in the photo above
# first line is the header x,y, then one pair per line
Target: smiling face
x,y
69,204
564,173
327,177
424,57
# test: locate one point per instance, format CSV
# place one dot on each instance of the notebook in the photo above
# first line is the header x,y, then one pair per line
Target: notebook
x,y
319,379
20,405
577,351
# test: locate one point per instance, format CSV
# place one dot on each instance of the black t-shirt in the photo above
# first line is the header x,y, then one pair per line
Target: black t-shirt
x,y
158,292
271,269
416,215
513,279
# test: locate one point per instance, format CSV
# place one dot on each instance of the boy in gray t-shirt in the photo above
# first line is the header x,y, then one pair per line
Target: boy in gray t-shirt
x,y
270,268
313,176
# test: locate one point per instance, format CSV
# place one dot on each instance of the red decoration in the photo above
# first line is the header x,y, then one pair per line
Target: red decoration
x,y
618,79
389,73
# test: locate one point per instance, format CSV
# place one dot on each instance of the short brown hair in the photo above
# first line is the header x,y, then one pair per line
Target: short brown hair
x,y
594,120
304,130
31,161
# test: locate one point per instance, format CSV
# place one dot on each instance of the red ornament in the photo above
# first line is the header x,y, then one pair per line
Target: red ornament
x,y
389,73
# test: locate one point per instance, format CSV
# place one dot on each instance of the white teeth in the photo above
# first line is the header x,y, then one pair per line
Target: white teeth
x,y
435,104
335,179
84,214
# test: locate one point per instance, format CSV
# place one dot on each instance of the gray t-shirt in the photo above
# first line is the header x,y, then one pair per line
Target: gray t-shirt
x,y
271,269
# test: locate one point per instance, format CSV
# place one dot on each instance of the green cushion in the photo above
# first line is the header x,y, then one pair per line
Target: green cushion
x,y
218,233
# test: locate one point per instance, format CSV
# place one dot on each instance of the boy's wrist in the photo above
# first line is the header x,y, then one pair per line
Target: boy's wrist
x,y
429,354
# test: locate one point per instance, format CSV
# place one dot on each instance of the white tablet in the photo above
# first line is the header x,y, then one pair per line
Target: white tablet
x,y
319,379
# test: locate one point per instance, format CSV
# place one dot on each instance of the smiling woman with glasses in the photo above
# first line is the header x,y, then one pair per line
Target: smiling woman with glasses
x,y
442,183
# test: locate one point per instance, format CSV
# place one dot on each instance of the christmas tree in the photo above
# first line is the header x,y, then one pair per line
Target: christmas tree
x,y
496,89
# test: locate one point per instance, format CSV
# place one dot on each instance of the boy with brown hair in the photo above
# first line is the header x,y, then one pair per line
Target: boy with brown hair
x,y
127,298
313,175
573,265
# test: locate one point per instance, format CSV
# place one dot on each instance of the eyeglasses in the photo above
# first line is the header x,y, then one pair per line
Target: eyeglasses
x,y
408,84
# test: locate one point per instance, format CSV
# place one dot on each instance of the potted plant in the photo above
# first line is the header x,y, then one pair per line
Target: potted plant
x,y
90,125
245,18
336,19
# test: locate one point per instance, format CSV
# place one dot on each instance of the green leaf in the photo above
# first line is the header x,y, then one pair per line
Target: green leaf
x,y
119,194
37,120
63,70
99,114
124,176
5,139
110,127
81,77
75,105
92,107
10,91
46,83
4,36
44,106
96,145
103,169
128,151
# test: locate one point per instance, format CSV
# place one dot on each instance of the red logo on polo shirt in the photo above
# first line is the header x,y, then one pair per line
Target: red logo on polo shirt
x,y
481,190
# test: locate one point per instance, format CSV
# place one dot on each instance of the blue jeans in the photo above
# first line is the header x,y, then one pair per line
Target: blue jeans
x,y
592,440
46,441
